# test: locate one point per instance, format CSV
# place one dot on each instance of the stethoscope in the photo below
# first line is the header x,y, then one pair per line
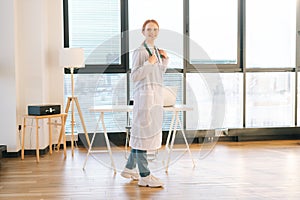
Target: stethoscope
x,y
155,50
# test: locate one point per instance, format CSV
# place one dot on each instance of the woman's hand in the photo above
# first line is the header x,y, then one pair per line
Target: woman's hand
x,y
152,59
163,53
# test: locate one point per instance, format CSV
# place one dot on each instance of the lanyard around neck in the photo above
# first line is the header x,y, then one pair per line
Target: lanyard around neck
x,y
150,53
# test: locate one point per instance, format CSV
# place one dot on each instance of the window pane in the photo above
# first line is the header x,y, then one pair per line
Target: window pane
x,y
213,27
233,88
217,100
270,99
95,26
270,33
170,23
94,90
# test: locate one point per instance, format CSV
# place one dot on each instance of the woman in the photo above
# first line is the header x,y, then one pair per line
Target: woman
x,y
149,66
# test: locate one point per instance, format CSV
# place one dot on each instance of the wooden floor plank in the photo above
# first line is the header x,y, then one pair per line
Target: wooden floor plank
x,y
224,170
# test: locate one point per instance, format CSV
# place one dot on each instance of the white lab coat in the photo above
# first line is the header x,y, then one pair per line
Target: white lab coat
x,y
146,132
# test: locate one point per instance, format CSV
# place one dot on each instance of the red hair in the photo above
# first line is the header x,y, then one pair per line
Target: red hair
x,y
149,21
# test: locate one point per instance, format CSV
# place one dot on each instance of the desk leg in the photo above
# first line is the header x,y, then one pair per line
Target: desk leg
x,y
37,140
91,144
170,131
63,134
185,140
23,138
172,142
167,149
50,135
59,140
107,142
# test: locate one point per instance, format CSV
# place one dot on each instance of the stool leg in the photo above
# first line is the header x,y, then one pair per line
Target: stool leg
x,y
50,135
62,131
37,141
23,138
63,120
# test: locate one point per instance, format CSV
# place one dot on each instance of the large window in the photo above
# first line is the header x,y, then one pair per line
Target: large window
x,y
239,70
270,33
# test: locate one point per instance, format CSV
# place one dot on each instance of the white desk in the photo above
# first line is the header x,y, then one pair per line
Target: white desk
x,y
103,109
125,108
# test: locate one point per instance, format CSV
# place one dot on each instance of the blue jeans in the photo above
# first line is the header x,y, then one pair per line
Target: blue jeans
x,y
138,157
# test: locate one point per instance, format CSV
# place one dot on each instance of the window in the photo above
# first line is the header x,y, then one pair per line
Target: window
x,y
94,90
213,27
95,25
270,99
270,33
216,99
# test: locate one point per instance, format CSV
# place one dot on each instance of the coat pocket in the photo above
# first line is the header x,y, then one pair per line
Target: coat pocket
x,y
146,100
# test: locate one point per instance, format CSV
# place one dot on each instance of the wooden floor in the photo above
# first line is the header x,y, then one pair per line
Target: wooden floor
x,y
224,170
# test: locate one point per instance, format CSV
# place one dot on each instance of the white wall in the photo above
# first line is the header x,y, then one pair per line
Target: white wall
x,y
298,35
35,76
7,74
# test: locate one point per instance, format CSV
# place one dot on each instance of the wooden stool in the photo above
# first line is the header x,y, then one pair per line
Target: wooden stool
x,y
37,118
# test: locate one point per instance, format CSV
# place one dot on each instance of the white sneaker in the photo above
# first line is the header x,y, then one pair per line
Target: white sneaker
x,y
130,173
150,181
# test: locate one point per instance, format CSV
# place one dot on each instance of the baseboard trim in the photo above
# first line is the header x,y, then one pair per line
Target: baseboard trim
x,y
199,136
